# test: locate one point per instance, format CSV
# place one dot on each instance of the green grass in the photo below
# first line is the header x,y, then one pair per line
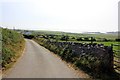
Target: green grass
x,y
109,44
108,36
12,45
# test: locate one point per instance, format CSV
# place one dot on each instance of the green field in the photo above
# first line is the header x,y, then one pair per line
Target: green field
x,y
73,37
45,32
111,37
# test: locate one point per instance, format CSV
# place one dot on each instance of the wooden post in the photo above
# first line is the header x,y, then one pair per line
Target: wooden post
x,y
111,58
112,45
91,40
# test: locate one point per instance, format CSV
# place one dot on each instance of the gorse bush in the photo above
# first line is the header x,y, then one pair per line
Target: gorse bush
x,y
12,44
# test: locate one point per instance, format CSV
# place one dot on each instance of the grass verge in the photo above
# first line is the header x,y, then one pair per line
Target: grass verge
x,y
13,44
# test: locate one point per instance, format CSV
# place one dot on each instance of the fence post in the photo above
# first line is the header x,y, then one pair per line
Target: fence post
x,y
112,46
111,58
91,40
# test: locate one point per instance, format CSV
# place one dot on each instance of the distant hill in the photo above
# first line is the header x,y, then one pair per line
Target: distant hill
x,y
92,33
113,32
108,35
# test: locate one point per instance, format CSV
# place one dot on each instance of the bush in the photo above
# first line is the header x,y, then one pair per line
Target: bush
x,y
66,38
117,39
79,39
6,56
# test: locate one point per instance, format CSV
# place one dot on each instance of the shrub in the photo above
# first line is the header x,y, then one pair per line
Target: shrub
x,y
117,39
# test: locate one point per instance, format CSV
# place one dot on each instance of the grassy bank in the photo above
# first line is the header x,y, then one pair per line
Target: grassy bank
x,y
12,47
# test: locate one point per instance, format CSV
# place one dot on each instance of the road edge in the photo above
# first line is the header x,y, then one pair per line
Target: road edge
x,y
14,63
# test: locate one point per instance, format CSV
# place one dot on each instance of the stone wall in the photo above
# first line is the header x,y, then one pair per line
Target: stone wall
x,y
92,57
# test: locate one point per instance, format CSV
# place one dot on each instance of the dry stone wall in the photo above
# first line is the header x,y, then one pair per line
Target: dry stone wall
x,y
92,57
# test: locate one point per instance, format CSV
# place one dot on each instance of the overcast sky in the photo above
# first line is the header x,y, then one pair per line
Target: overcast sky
x,y
60,15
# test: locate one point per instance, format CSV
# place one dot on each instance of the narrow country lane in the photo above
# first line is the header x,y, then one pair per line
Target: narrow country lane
x,y
38,62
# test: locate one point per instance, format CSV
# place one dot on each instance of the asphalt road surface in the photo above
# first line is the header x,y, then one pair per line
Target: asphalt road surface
x,y
38,62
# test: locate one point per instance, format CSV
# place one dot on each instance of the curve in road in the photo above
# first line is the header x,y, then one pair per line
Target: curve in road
x,y
38,62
